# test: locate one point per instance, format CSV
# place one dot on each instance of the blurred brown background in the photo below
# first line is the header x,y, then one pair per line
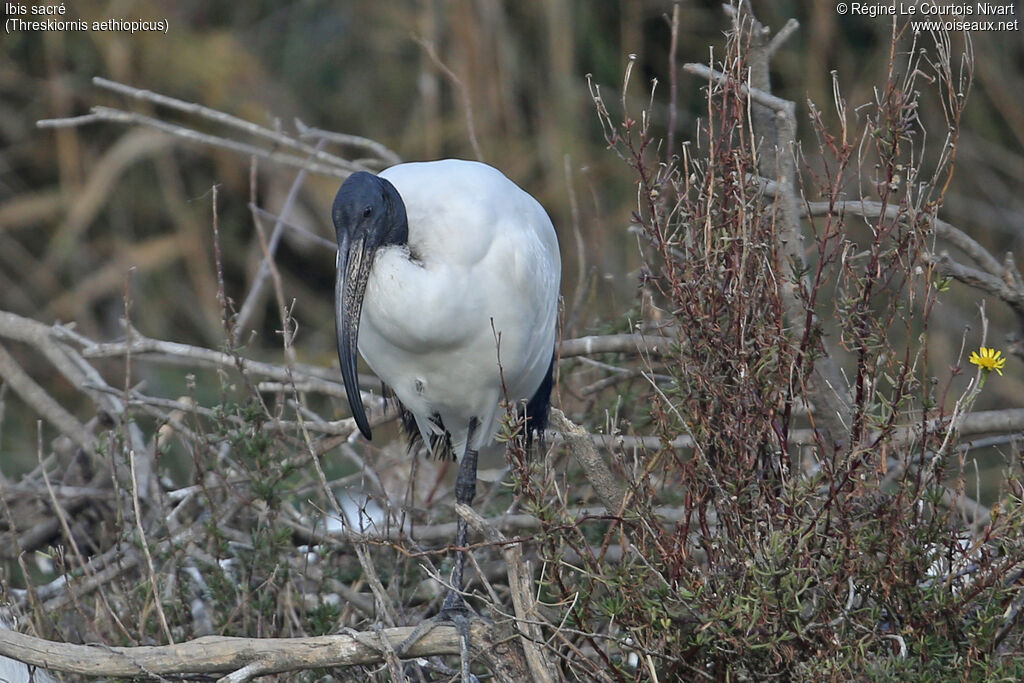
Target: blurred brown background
x,y
89,213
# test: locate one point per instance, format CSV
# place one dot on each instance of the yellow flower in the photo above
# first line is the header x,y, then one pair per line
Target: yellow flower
x,y
989,360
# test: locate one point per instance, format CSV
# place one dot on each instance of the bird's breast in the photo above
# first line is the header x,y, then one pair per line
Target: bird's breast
x,y
417,306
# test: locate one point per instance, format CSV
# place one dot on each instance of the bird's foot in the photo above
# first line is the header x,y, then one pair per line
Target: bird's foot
x,y
456,612
454,607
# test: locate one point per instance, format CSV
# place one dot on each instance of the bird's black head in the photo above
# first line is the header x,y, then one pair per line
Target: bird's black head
x,y
368,214
368,207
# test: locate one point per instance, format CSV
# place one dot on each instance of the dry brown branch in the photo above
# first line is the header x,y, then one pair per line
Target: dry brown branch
x,y
150,569
142,347
70,364
216,116
219,654
444,531
643,344
109,115
164,351
61,345
756,94
594,467
101,571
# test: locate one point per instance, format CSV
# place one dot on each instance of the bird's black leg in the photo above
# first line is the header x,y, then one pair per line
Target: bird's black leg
x,y
455,610
465,491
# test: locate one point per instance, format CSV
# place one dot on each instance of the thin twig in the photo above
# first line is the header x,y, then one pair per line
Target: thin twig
x,y
274,136
44,404
385,154
150,569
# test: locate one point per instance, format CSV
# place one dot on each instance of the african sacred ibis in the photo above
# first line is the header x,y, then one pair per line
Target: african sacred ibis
x,y
448,279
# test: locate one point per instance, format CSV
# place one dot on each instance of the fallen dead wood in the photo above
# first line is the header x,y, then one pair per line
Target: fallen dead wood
x,y
243,658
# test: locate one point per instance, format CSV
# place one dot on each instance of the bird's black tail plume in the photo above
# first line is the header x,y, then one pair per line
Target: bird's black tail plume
x,y
440,445
538,407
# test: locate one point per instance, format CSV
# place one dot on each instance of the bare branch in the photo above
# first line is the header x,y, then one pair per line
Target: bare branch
x,y
335,164
108,114
1002,280
594,466
385,154
44,404
220,654
306,234
643,344
762,97
782,36
944,230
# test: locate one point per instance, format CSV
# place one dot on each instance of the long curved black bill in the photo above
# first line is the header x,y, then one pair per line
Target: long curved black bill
x,y
354,262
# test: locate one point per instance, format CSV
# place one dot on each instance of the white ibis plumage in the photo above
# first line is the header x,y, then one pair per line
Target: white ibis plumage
x,y
448,280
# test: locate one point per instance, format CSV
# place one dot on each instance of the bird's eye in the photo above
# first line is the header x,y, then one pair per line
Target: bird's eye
x,y
367,211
